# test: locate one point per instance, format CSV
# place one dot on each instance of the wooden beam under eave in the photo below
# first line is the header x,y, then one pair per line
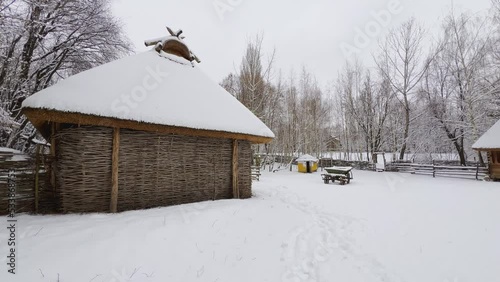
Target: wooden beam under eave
x,y
113,206
236,189
39,117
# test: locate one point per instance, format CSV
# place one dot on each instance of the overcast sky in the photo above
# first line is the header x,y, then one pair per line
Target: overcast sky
x,y
313,33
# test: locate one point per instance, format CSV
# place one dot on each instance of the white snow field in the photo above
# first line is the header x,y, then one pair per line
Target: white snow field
x,y
381,227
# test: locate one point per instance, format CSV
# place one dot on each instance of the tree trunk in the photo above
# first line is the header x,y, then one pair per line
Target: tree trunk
x,y
481,160
407,129
460,151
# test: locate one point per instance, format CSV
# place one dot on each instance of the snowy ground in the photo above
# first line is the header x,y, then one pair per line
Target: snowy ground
x,y
381,227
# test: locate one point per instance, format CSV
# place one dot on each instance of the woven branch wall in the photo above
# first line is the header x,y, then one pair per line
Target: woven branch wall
x,y
154,169
245,157
83,170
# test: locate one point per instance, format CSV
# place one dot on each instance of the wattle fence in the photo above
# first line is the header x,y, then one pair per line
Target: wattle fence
x,y
24,183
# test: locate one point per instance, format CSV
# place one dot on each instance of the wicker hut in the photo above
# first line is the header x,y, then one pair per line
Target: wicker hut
x,y
145,131
490,143
307,164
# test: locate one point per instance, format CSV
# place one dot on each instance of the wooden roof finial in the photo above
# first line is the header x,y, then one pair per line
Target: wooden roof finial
x,y
173,44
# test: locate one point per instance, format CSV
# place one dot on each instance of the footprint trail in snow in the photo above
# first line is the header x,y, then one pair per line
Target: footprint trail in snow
x,y
325,242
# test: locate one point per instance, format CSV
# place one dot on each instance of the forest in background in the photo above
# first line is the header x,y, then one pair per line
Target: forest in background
x,y
418,96
421,97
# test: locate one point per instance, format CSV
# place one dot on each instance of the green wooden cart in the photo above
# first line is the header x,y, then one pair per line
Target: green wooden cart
x,y
342,174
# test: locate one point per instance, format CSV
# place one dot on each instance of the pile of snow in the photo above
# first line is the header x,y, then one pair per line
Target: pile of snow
x,y
152,88
490,139
381,227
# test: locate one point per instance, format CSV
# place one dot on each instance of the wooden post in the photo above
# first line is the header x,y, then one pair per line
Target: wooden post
x,y
37,173
53,156
489,156
477,171
113,206
236,189
433,169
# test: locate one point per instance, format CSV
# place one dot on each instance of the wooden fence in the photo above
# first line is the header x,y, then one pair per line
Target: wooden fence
x,y
361,165
29,176
470,172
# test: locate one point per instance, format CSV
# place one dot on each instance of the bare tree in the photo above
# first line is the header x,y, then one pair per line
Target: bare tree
x,y
44,41
454,82
401,63
365,103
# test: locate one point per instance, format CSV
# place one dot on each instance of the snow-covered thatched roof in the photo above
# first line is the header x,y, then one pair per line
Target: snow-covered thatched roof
x,y
490,139
307,158
155,88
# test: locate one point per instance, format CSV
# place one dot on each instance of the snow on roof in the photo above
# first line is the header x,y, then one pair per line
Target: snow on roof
x,y
490,139
307,158
151,87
